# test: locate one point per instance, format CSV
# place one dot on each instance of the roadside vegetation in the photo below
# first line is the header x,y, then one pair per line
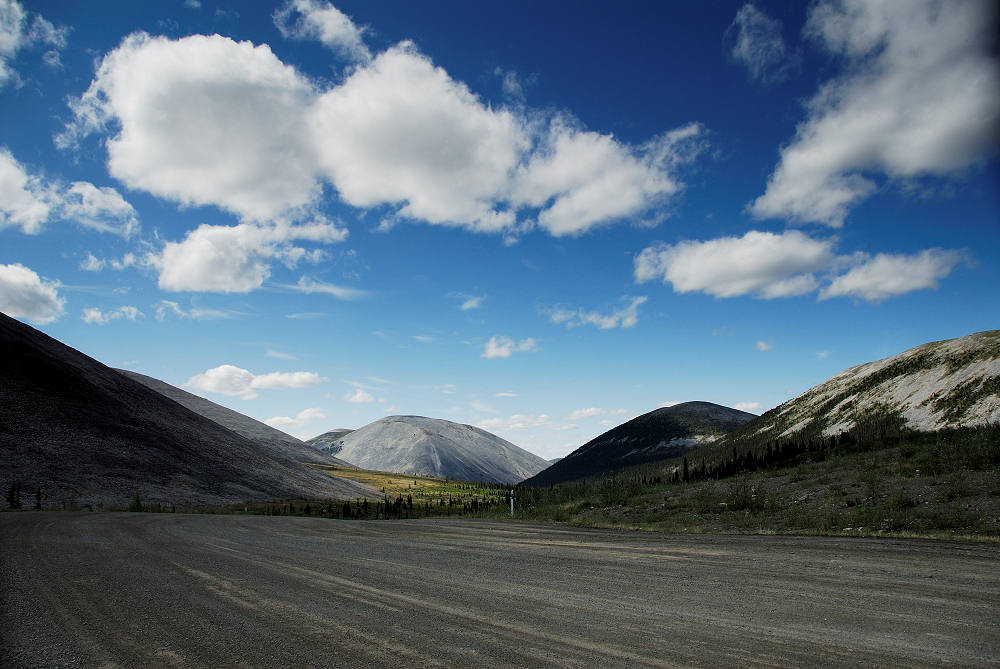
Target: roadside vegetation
x,y
402,496
865,483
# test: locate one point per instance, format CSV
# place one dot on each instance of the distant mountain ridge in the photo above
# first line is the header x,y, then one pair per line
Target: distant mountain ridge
x,y
87,435
237,422
435,447
660,434
950,383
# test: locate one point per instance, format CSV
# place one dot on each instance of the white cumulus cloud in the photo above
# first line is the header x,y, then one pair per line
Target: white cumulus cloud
x,y
887,275
762,264
235,259
238,382
203,120
500,346
582,179
749,407
24,294
920,95
763,346
321,21
402,131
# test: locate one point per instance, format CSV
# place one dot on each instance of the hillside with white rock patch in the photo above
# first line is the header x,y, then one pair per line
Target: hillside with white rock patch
x,y
951,383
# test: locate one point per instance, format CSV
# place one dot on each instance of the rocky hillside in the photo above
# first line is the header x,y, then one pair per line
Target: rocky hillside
x,y
252,429
949,383
328,442
88,435
657,435
434,447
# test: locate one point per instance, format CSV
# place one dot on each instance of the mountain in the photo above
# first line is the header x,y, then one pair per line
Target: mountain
x,y
88,435
657,435
252,429
328,441
951,383
434,447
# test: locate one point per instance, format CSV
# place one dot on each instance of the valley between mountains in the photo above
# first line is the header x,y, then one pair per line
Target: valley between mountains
x,y
393,544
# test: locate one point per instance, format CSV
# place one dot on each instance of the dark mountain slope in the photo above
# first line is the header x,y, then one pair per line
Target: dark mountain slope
x,y
88,435
252,429
657,435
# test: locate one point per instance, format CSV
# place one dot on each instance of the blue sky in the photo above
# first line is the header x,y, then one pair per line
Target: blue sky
x,y
539,218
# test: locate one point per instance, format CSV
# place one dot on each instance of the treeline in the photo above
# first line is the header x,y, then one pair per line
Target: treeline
x,y
948,450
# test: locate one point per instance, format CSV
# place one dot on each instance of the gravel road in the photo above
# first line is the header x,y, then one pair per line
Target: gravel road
x,y
145,590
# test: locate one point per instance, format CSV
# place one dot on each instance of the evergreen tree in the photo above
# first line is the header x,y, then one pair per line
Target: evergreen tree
x,y
136,504
14,495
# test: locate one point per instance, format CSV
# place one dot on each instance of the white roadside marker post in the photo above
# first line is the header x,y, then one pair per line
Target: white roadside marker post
x,y
511,501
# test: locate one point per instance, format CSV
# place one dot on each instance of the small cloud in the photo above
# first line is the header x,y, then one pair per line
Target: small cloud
x,y
759,46
668,403
280,355
749,407
321,21
505,394
94,315
308,286
500,346
167,308
591,412
823,354
237,382
301,419
359,396
424,339
625,317
763,346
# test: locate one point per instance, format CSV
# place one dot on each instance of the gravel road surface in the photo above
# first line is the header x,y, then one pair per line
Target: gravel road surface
x,y
147,590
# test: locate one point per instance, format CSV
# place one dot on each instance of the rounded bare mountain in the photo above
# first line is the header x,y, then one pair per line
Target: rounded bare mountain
x,y
435,447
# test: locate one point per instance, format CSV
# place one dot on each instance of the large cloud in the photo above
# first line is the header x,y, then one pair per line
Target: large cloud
x,y
402,131
238,382
887,275
762,264
235,259
920,96
206,120
203,120
23,294
768,265
584,179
